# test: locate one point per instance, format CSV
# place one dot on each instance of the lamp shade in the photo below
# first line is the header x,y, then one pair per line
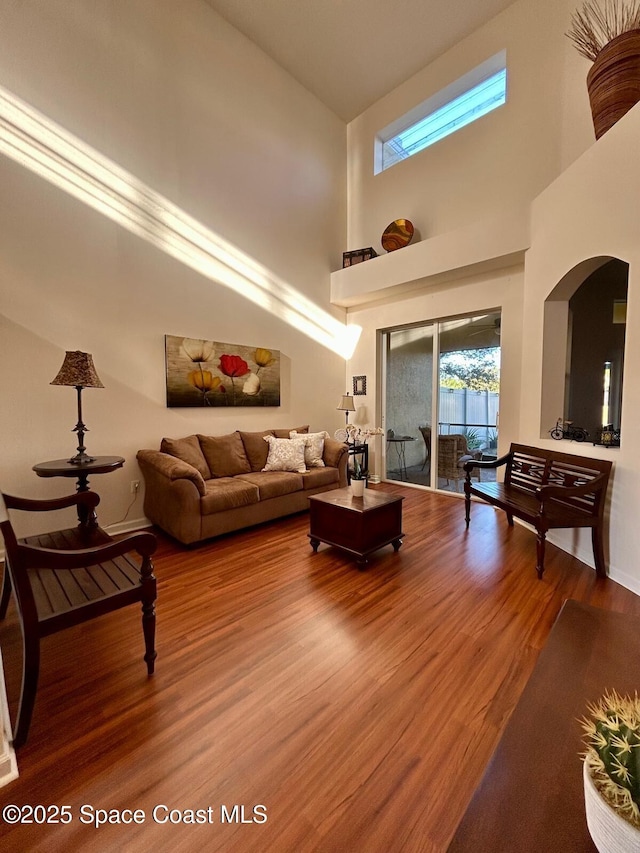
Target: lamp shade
x,y
346,404
78,370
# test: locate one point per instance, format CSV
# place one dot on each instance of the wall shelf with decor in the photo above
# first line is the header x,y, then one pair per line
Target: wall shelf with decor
x,y
491,244
607,437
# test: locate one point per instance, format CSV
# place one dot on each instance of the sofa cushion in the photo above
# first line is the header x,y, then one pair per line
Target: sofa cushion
x,y
256,448
188,449
228,493
274,484
285,433
313,447
316,477
285,454
225,454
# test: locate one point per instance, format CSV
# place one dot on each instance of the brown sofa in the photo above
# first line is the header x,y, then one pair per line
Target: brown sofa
x,y
202,486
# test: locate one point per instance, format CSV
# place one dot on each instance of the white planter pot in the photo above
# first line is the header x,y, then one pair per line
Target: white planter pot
x,y
610,832
357,487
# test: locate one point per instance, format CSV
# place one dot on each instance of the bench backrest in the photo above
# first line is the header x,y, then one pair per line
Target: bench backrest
x,y
531,467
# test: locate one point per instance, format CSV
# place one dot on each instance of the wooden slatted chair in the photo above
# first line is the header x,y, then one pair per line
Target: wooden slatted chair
x,y
67,577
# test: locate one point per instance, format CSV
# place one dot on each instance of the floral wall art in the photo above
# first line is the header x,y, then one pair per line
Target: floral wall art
x,y
208,373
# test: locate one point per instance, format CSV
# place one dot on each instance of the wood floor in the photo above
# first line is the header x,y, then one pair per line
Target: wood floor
x,y
359,708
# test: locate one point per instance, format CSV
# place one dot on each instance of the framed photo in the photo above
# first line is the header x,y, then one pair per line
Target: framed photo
x,y
359,385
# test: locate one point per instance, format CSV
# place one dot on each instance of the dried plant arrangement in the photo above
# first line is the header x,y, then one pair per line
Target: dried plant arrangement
x,y
595,24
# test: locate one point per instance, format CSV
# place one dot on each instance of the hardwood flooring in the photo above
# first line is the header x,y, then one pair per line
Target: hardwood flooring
x,y
359,708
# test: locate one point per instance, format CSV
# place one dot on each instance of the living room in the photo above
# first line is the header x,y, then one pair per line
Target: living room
x,y
194,112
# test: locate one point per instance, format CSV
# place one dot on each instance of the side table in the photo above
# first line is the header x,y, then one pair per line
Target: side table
x,y
399,441
64,468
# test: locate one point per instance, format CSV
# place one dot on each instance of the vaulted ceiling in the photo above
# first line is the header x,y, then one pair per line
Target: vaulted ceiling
x,y
350,53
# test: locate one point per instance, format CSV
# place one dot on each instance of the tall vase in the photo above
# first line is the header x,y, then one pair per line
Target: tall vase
x,y
613,81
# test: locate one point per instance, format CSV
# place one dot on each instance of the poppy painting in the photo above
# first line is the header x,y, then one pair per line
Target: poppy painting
x,y
211,374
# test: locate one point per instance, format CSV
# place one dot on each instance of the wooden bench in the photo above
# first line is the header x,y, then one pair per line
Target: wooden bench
x,y
548,490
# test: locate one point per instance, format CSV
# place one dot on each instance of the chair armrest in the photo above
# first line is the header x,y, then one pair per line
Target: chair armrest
x,y
89,499
495,463
170,467
143,543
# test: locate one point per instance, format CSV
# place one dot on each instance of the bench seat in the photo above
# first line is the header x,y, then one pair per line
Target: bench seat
x,y
526,505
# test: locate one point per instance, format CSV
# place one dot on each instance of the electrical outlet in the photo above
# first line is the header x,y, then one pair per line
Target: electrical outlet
x,y
135,487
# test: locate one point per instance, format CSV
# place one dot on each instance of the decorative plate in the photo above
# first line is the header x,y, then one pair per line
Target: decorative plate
x,y
341,435
397,235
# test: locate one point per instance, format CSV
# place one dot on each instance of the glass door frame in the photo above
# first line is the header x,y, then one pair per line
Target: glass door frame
x,y
383,338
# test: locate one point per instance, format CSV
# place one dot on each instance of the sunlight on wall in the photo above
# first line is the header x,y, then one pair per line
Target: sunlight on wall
x,y
42,146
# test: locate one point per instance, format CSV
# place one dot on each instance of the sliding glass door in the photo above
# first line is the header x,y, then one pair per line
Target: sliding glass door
x,y
409,376
431,433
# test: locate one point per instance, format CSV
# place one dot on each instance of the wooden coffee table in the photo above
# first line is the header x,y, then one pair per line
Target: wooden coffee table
x,y
358,526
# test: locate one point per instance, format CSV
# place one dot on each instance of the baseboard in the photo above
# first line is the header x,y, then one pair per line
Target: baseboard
x,y
131,526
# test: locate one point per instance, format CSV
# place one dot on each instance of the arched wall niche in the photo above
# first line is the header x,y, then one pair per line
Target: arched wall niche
x,y
584,330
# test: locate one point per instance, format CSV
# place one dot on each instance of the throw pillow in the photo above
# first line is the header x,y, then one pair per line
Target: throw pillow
x,y
285,454
188,450
225,454
313,447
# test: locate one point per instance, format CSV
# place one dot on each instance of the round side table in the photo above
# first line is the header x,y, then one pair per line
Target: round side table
x,y
64,468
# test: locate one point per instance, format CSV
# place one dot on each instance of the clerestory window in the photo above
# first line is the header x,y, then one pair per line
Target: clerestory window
x,y
477,93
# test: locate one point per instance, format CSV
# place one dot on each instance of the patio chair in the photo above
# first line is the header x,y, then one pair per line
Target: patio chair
x,y
453,452
426,434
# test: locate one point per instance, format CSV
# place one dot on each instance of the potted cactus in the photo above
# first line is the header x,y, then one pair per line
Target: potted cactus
x,y
612,772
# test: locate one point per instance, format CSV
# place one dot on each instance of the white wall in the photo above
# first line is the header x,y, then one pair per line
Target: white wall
x,y
181,100
592,211
499,162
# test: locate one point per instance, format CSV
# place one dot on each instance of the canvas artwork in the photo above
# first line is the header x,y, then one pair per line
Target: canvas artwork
x,y
209,373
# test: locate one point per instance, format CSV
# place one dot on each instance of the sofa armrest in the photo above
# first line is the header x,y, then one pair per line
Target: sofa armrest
x,y
170,467
333,452
335,455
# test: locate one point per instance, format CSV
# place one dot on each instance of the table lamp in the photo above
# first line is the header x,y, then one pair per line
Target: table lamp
x,y
78,370
346,406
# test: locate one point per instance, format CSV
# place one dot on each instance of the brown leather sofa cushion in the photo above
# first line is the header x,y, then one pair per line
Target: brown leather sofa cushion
x,y
256,448
188,449
316,477
225,454
228,493
285,433
274,484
